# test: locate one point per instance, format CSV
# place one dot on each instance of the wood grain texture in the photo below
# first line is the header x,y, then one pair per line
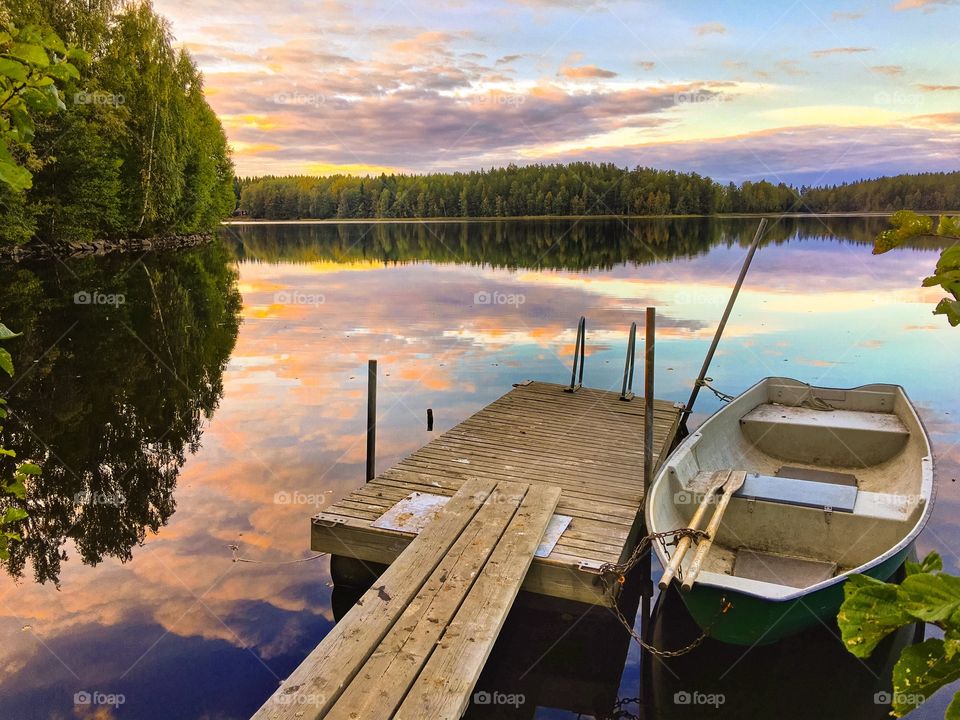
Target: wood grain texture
x,y
588,443
442,690
317,683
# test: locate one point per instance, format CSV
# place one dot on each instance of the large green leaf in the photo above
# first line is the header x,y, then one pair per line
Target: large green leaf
x,y
869,613
14,69
949,226
12,515
6,362
22,123
16,177
63,71
931,563
906,224
950,308
921,671
6,333
928,597
951,643
16,488
52,41
29,52
44,100
953,709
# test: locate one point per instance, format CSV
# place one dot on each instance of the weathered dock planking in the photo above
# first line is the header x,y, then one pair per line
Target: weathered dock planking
x,y
414,645
588,443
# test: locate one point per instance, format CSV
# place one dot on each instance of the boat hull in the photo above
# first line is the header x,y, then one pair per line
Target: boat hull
x,y
751,620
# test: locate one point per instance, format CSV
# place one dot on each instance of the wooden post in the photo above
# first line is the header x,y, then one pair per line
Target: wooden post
x,y
371,419
648,390
648,400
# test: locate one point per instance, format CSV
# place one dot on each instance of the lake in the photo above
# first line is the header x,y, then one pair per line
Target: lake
x,y
191,410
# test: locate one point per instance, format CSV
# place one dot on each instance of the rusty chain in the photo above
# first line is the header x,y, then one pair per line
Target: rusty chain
x,y
613,574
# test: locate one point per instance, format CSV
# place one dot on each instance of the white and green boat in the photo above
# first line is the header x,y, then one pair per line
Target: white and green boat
x,y
831,482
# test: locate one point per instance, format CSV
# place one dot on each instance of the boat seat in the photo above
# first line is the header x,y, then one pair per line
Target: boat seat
x,y
781,569
819,489
839,438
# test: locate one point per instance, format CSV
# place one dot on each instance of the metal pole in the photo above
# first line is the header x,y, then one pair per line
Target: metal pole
x,y
626,392
648,390
371,419
578,350
723,323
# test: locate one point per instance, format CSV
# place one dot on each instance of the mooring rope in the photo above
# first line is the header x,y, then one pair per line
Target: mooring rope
x,y
724,397
236,549
614,574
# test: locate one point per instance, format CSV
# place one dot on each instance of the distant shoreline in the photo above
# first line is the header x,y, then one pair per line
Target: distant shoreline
x,y
36,250
390,221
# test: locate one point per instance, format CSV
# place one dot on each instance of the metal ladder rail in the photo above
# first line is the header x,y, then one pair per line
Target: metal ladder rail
x,y
626,392
576,379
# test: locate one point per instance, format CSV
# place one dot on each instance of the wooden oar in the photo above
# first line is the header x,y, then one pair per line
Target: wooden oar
x,y
729,488
717,479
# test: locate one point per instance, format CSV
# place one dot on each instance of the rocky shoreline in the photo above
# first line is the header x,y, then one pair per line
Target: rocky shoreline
x,y
46,251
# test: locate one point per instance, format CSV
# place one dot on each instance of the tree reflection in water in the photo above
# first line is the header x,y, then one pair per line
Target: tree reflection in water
x,y
120,362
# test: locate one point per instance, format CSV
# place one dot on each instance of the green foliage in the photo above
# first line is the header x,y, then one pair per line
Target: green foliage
x,y
16,487
533,190
909,225
873,609
906,225
135,149
32,62
105,383
574,189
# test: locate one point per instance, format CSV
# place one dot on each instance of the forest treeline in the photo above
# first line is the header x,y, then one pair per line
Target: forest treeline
x,y
576,189
134,151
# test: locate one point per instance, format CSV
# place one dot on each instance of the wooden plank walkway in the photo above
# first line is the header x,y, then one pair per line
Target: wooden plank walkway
x,y
588,443
414,645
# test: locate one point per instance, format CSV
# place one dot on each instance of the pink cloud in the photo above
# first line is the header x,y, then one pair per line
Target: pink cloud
x,y
585,72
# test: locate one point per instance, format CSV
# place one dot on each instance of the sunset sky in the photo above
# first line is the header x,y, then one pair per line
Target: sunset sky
x,y
804,92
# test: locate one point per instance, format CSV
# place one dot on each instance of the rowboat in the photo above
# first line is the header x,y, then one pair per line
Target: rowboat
x,y
822,483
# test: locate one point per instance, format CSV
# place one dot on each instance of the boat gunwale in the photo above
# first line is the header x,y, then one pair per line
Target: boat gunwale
x,y
928,492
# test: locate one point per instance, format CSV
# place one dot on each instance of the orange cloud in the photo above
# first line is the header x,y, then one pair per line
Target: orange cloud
x,y
839,51
710,28
585,72
939,88
926,5
887,69
426,43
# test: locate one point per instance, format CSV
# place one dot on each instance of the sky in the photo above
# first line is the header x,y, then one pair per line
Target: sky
x,y
806,92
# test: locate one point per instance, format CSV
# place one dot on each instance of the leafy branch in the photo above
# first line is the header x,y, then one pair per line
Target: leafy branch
x,y
908,225
32,62
873,609
17,486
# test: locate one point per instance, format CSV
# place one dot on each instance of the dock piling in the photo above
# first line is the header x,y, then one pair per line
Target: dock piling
x,y
646,578
371,419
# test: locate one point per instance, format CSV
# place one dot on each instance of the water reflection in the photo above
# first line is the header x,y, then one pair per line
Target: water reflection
x,y
552,657
183,631
85,404
554,244
804,676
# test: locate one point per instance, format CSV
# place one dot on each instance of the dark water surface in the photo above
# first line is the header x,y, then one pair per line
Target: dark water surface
x,y
196,407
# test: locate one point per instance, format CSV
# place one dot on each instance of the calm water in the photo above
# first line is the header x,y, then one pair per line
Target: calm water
x,y
202,405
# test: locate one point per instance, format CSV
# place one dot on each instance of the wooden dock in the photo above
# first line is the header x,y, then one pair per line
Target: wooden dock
x,y
588,443
414,645
537,490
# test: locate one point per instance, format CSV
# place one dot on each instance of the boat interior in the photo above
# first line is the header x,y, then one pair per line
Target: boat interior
x,y
834,480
